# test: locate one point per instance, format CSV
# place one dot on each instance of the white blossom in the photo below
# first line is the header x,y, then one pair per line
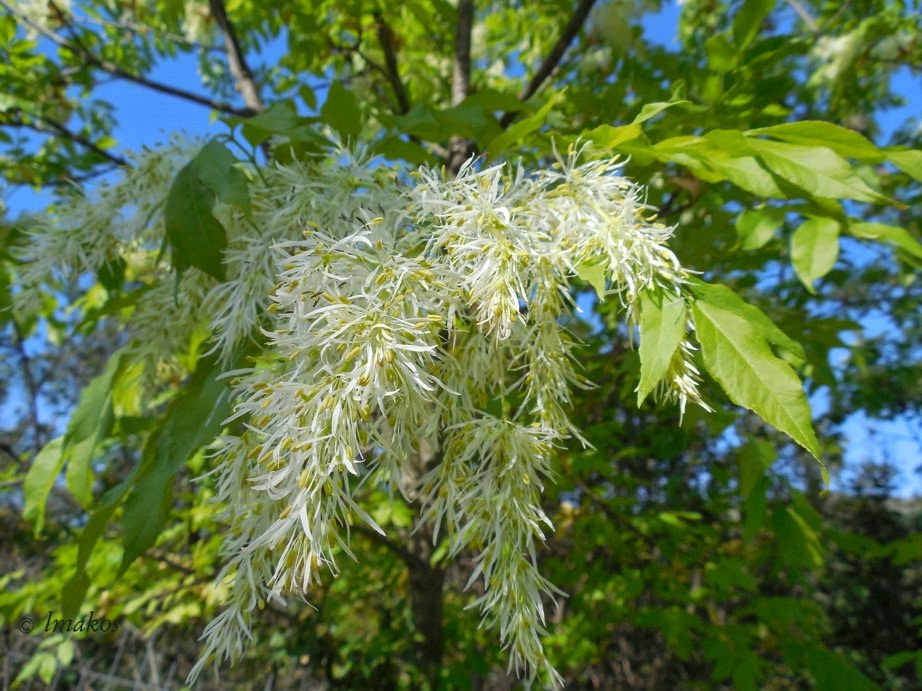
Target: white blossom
x,y
388,317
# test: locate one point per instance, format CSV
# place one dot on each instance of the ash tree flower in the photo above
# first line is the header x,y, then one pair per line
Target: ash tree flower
x,y
402,316
385,314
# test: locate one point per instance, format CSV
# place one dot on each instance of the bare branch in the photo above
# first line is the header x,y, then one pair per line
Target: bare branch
x,y
243,76
461,71
116,71
554,57
460,148
392,72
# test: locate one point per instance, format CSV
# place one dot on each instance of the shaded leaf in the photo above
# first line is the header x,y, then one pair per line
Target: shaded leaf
x,y
341,111
662,327
195,418
523,128
89,424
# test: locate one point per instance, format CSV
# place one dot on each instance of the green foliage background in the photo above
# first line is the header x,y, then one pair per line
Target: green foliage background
x,y
700,555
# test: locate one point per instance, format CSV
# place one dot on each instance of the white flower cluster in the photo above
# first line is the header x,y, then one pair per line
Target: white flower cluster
x,y
409,333
122,222
423,316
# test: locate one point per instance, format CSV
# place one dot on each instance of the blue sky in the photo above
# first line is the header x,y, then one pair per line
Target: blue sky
x,y
146,117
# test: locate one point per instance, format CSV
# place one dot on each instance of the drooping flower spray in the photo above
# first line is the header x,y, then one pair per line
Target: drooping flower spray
x,y
406,312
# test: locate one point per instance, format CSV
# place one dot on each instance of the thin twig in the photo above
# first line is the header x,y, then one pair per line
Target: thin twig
x,y
53,127
11,452
613,515
554,57
143,30
405,555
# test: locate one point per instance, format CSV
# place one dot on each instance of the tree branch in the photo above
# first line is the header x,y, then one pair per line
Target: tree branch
x,y
804,15
116,71
240,70
28,378
612,515
405,555
11,452
53,127
460,148
554,57
461,70
386,39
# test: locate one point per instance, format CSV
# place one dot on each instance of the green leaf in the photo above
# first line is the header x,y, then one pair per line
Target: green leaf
x,y
662,327
736,351
496,101
755,507
594,275
755,457
898,237
217,168
755,227
112,274
748,20
651,110
396,148
901,659
44,470
42,664
817,170
308,96
89,424
279,119
421,121
814,249
608,137
194,419
907,160
74,589
341,111
523,128
798,544
725,298
842,140
197,237
721,155
470,121
720,52
832,671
